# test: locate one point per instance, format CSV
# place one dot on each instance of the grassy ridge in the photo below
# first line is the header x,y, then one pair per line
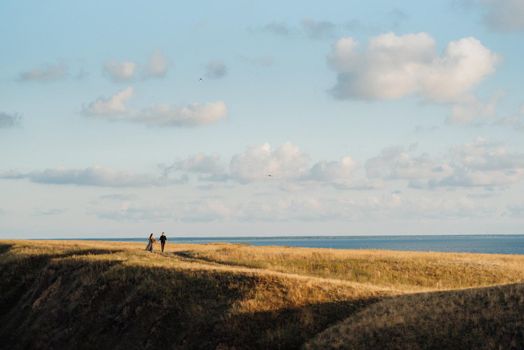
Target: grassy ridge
x,y
59,295
220,296
400,270
483,318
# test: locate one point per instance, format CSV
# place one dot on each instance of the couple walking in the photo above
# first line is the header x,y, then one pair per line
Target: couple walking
x,y
151,240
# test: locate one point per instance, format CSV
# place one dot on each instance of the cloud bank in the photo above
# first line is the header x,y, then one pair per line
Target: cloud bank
x,y
91,176
394,66
264,163
114,108
477,164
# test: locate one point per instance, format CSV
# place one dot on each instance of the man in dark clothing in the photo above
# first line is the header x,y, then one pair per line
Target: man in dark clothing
x,y
163,240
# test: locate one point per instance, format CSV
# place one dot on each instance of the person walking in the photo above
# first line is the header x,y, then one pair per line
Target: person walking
x,y
150,242
163,240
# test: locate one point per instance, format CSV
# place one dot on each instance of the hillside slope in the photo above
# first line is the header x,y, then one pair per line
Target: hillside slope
x,y
105,295
86,296
484,318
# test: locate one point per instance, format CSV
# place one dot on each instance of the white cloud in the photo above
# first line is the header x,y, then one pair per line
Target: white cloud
x,y
464,177
263,162
112,105
8,120
120,71
332,171
200,163
191,115
477,164
283,164
92,176
484,155
45,73
216,70
399,163
125,71
394,66
209,167
114,108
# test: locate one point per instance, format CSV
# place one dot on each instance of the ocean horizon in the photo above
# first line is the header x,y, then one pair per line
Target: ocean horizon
x,y
475,243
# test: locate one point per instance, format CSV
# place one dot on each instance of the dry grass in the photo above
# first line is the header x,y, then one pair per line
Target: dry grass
x,y
400,270
483,318
112,295
86,294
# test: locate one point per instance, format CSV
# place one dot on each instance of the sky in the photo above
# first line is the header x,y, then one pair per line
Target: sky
x,y
266,118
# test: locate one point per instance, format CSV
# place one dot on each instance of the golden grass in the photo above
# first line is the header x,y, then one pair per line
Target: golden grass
x,y
295,289
208,304
400,270
231,296
482,318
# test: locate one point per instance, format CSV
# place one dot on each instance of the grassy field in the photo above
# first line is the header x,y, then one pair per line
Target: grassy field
x,y
79,294
399,270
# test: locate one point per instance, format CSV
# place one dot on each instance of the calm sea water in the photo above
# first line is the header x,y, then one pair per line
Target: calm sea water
x,y
499,244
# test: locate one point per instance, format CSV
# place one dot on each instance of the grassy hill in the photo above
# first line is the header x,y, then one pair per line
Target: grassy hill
x,y
480,318
221,296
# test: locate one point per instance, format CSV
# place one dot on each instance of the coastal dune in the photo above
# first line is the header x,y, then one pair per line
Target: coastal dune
x,y
106,295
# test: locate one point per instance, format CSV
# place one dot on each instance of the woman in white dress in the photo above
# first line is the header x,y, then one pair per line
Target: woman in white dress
x,y
150,242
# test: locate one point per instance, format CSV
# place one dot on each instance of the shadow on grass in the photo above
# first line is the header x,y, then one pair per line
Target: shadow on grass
x,y
287,328
20,275
475,318
188,255
4,248
86,304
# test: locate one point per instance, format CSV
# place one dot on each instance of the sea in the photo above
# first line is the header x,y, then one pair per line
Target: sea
x,y
491,244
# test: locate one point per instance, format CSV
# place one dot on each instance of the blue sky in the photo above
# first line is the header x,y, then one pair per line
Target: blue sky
x,y
261,118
